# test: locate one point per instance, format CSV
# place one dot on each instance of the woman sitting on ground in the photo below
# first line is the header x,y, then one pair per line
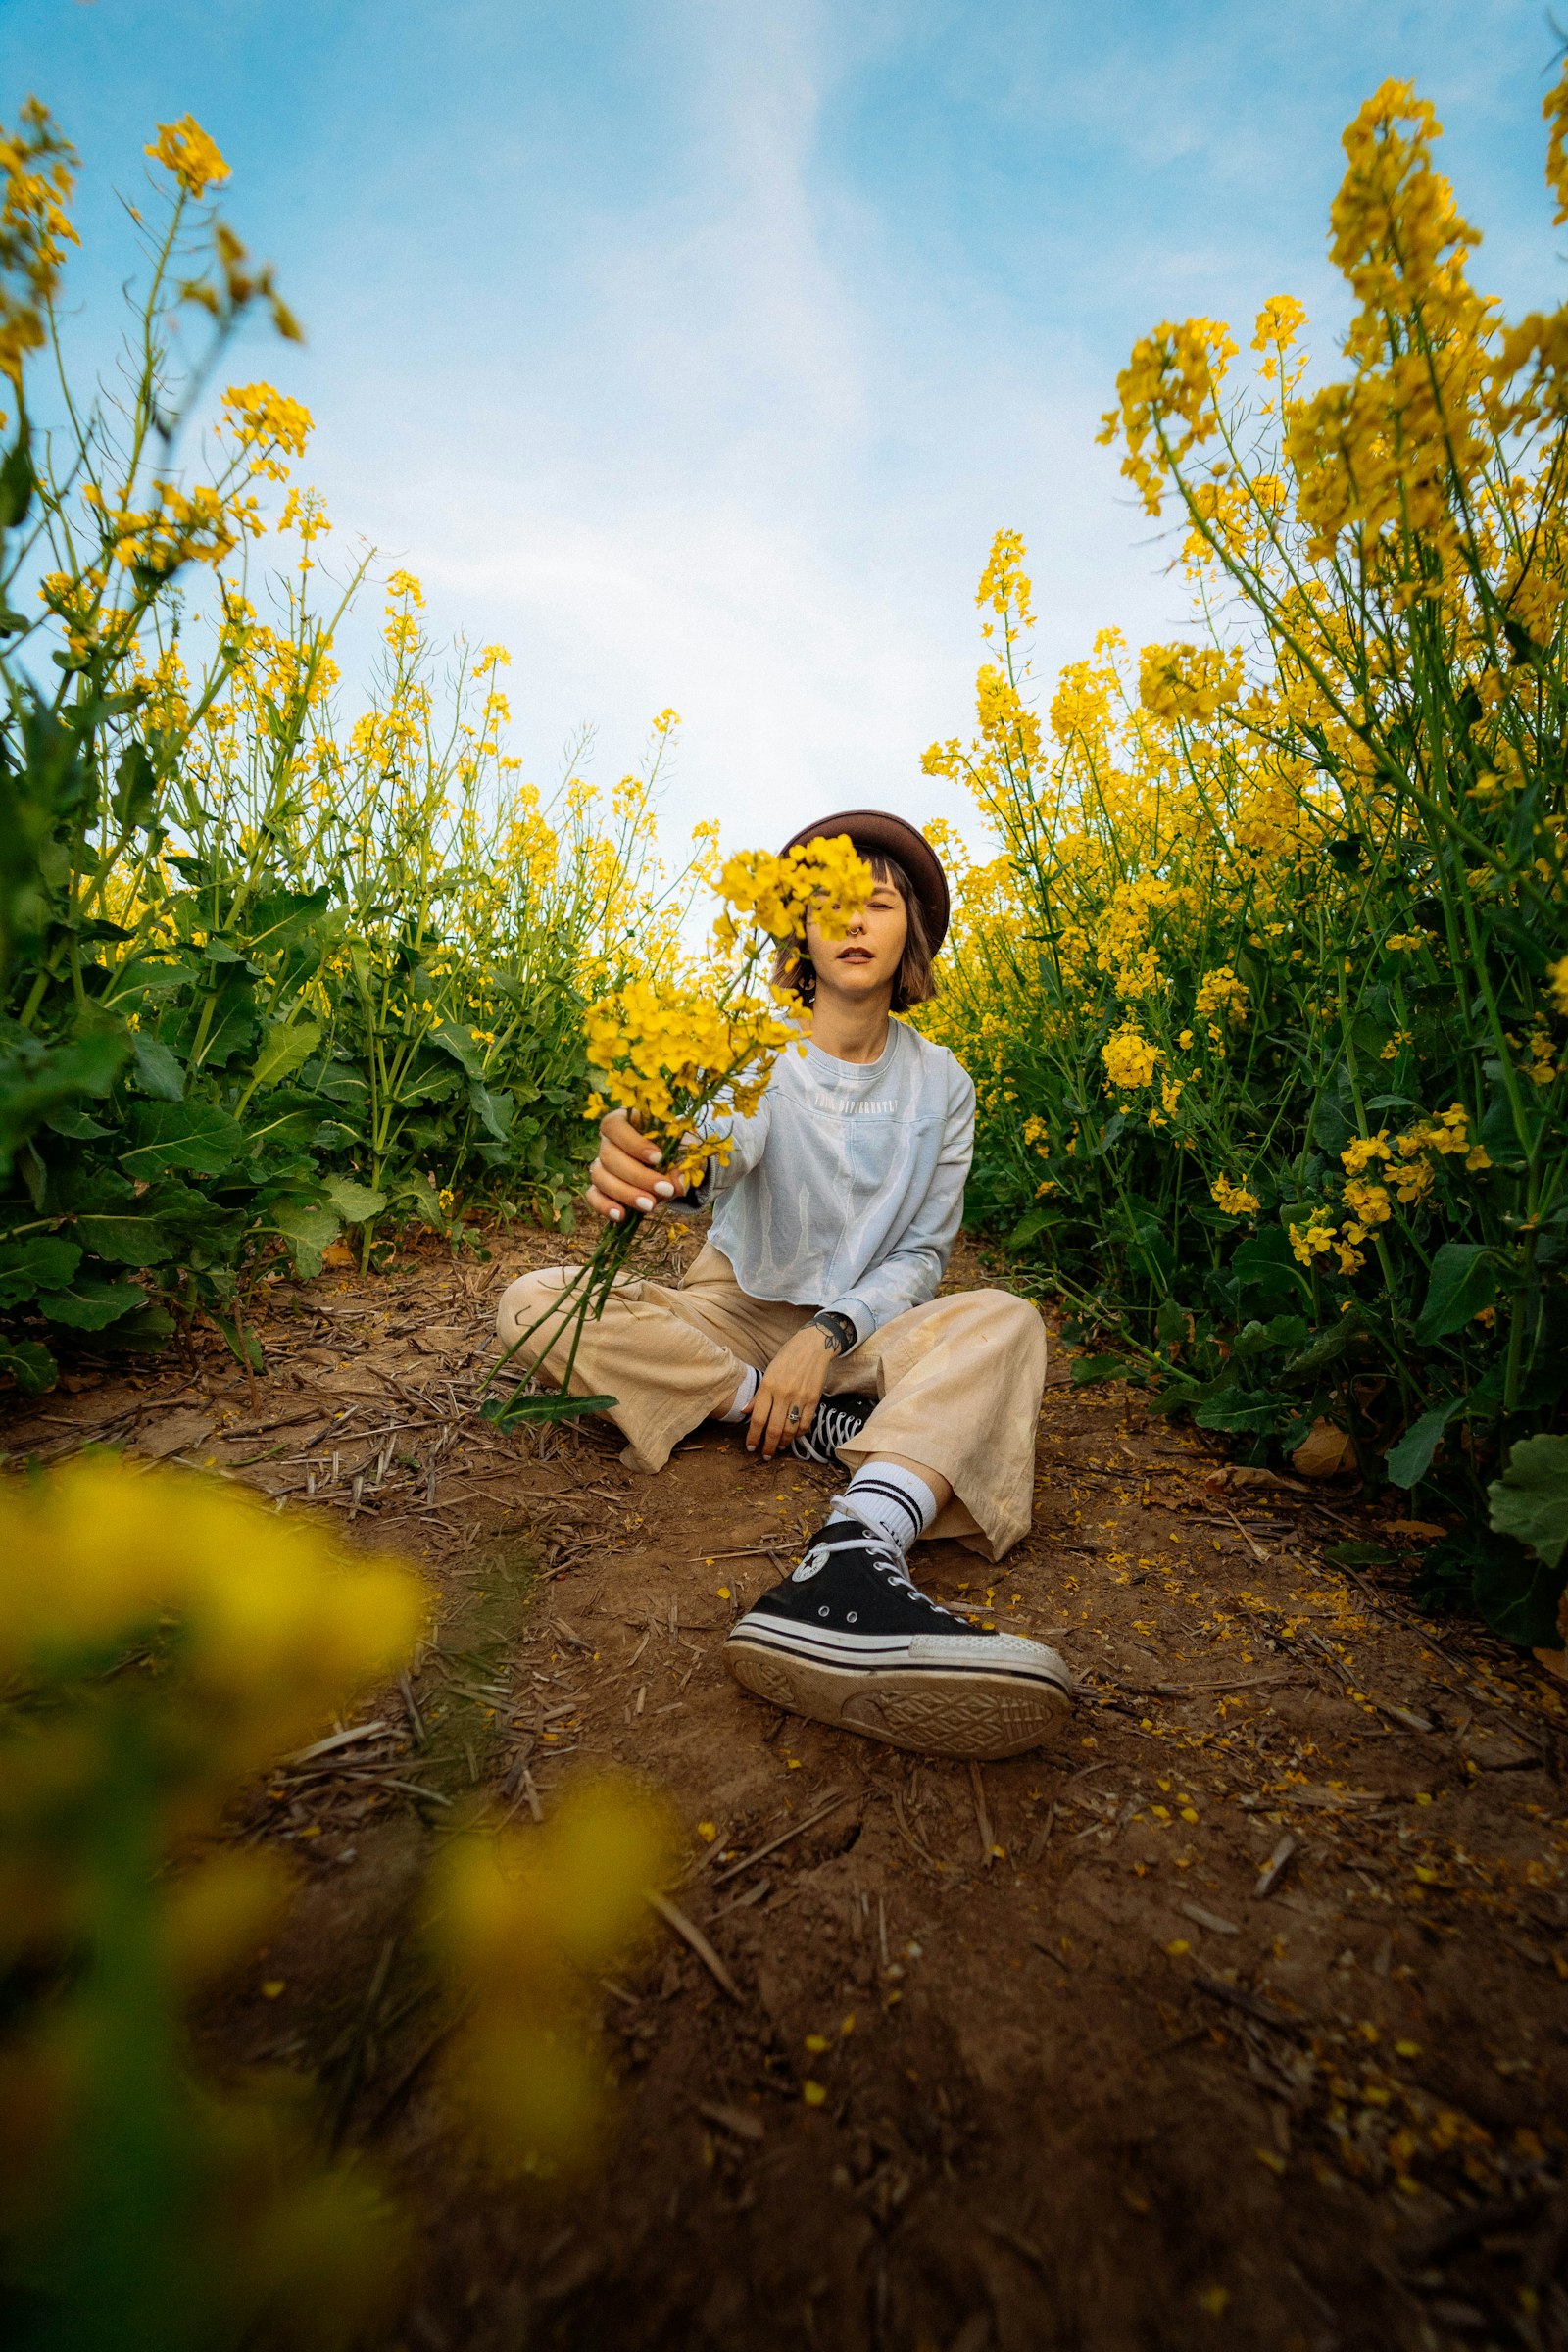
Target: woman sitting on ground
x,y
811,1317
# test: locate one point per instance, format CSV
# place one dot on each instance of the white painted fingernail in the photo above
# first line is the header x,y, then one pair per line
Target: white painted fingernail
x,y
643,1201
666,1191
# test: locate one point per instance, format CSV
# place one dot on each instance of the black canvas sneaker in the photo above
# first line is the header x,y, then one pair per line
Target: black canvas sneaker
x,y
850,1639
836,1420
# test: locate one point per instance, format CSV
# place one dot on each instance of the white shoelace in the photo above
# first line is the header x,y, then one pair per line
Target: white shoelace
x,y
829,1426
885,1556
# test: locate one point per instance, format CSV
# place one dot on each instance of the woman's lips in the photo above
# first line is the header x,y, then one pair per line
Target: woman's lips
x,y
854,955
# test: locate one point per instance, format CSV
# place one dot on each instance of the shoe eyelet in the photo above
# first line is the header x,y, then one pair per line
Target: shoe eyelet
x,y
822,1612
854,1617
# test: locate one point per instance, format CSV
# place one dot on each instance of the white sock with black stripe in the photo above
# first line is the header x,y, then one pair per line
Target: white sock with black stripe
x,y
892,1499
741,1404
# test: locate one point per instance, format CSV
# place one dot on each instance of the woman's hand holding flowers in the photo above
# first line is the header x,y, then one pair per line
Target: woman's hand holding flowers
x,y
620,1177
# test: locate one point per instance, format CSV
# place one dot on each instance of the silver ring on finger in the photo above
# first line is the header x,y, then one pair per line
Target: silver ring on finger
x,y
794,1413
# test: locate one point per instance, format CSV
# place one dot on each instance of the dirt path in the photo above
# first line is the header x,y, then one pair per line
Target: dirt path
x,y
1239,2018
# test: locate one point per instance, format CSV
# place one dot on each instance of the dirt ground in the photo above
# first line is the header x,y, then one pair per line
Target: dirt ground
x,y
1239,2018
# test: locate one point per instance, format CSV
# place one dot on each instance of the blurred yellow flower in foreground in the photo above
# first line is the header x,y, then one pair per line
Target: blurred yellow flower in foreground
x,y
161,1638
530,1919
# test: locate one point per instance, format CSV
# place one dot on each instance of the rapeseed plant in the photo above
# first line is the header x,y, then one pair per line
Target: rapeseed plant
x,y
1263,994
268,970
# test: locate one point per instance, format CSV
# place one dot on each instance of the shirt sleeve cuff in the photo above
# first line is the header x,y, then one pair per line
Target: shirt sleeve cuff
x,y
859,1312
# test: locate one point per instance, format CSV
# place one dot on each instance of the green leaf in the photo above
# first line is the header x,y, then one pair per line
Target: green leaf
x,y
1359,1555
40,1262
285,1129
17,482
1170,1323
1331,1129
144,1332
287,915
90,1305
129,1238
1261,1339
78,1126
330,1135
193,1137
235,1023
1520,1600
243,1344
50,1081
1530,1502
157,1070
496,1112
1464,1280
135,800
283,1048
1086,1369
412,1185
1263,1265
1241,1414
459,1044
310,1228
339,1085
29,1365
511,1412
197,1136
1409,1463
1029,1226
354,1202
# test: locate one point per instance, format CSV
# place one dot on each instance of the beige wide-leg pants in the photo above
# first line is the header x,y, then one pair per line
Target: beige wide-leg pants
x,y
958,1381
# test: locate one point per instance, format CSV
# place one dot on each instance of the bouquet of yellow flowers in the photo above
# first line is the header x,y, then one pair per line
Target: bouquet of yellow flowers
x,y
681,1054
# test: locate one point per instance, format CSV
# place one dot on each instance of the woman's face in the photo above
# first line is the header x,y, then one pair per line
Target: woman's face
x,y
865,964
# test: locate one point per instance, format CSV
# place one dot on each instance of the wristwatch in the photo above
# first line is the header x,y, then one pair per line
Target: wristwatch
x,y
840,1328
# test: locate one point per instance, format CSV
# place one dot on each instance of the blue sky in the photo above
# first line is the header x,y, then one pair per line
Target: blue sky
x,y
695,352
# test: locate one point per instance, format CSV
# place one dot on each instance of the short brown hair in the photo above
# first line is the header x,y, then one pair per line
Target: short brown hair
x,y
913,983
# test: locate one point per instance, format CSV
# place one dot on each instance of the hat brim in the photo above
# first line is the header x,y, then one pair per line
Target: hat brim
x,y
875,829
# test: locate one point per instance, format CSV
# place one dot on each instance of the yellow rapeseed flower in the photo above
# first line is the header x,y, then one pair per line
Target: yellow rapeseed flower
x,y
186,150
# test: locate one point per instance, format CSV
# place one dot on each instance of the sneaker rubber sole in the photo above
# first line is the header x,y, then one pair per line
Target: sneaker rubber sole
x,y
960,1712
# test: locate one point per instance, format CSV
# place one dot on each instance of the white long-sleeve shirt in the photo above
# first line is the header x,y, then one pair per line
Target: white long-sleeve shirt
x,y
844,1189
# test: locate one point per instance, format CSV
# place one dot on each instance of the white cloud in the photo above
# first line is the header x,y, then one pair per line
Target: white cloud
x,y
759,482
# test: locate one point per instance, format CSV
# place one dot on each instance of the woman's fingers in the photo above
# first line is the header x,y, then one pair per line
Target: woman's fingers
x,y
629,1191
622,1176
760,1414
617,1130
770,1422
632,1172
763,1438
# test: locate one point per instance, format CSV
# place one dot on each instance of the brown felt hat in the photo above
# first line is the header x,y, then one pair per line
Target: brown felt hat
x,y
875,829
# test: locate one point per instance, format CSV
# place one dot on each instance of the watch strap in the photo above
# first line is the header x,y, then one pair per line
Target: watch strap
x,y
839,1328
